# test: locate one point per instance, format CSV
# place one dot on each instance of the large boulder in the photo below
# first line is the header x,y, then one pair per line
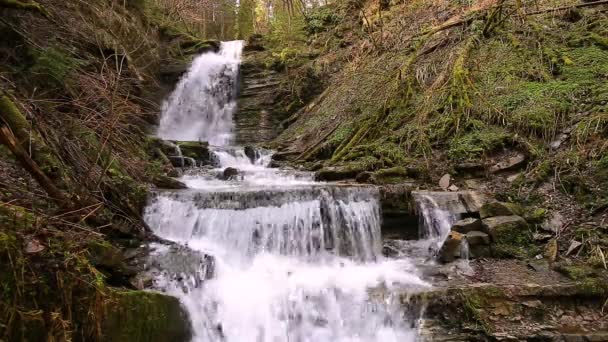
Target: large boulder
x,y
511,236
467,225
505,228
141,316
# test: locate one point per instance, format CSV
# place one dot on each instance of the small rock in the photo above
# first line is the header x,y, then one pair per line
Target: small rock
x,y
444,182
453,188
541,237
512,163
513,178
476,238
541,265
493,209
230,173
554,223
551,250
472,184
467,225
33,246
533,304
555,144
574,245
451,247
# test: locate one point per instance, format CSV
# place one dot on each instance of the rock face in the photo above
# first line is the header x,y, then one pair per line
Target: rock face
x,y
140,316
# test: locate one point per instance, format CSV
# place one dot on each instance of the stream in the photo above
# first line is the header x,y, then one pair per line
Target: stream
x,y
277,256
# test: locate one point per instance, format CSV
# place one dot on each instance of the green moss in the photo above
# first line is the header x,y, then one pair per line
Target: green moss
x,y
52,65
140,316
576,272
593,287
473,145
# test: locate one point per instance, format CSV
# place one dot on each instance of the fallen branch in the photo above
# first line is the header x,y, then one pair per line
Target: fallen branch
x,y
7,138
565,8
33,6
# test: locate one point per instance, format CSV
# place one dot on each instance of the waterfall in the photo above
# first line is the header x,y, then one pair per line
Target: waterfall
x,y
269,255
202,105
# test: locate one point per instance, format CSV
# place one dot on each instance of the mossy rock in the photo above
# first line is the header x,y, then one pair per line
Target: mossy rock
x,y
493,209
576,272
511,236
337,173
196,150
165,182
140,316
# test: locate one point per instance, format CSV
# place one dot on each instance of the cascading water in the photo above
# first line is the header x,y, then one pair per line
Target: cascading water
x,y
202,105
292,260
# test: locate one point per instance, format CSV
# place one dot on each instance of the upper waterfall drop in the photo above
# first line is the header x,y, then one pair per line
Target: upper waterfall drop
x,y
204,101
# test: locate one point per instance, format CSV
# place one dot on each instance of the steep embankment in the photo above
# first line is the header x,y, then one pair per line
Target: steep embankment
x,y
80,84
507,97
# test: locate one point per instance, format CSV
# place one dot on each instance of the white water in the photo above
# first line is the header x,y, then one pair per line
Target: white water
x,y
294,260
202,105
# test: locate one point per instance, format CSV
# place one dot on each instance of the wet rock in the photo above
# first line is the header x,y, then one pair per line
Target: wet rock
x,y
251,153
505,229
476,238
444,182
451,247
497,209
165,182
199,151
230,173
467,225
512,163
